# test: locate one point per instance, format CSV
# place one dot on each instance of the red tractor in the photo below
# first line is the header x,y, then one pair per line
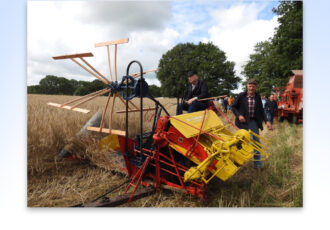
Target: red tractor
x,y
290,99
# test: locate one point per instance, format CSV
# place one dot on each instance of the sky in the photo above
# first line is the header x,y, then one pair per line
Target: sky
x,y
153,28
14,75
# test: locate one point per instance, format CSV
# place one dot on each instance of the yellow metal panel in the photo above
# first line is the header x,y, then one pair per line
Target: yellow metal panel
x,y
109,142
226,169
195,119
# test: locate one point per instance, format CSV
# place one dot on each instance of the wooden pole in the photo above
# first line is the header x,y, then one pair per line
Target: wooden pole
x,y
135,75
104,111
116,62
133,105
105,82
105,130
122,100
128,102
99,94
80,98
211,98
68,107
108,51
90,66
136,110
111,112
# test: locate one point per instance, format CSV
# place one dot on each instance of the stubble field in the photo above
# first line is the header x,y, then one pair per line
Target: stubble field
x,y
53,183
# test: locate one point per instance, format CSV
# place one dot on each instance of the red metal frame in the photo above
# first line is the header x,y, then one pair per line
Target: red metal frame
x,y
290,99
163,167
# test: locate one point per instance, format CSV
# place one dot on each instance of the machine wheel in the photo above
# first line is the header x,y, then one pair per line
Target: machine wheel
x,y
280,119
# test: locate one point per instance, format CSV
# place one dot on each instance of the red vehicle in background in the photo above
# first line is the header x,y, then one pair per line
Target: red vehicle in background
x,y
290,99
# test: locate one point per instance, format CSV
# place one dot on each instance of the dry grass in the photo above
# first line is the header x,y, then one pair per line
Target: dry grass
x,y
66,183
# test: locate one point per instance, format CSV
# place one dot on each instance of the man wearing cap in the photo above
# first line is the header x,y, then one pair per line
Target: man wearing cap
x,y
250,114
197,90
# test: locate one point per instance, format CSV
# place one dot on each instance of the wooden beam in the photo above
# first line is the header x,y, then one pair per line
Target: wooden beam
x,y
121,41
68,107
104,130
90,66
116,62
133,104
111,111
88,99
104,81
211,98
80,98
104,111
122,100
135,75
109,62
73,56
135,110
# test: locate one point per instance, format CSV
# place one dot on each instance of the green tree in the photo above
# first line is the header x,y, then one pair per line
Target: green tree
x,y
272,60
206,59
56,85
34,89
288,38
155,91
88,87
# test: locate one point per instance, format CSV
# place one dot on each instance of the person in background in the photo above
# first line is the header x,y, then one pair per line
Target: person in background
x,y
225,104
230,102
270,108
263,99
197,90
250,114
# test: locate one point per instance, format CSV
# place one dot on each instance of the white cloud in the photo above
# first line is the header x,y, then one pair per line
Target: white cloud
x,y
58,28
237,30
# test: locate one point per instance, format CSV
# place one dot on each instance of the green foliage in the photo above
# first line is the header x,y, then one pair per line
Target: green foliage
x,y
56,85
272,60
34,89
206,59
155,91
62,86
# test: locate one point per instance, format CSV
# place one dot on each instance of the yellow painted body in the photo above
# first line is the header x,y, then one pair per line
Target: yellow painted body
x,y
235,150
109,142
211,121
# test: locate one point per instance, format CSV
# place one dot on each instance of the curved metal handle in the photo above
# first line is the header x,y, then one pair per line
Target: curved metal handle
x,y
129,66
128,85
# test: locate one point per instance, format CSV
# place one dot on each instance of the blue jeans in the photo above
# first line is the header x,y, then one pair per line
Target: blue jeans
x,y
257,158
270,117
194,107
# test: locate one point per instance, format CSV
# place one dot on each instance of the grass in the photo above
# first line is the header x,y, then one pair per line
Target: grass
x,y
67,183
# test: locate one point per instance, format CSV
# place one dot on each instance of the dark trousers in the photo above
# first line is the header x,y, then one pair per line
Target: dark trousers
x,y
257,157
194,107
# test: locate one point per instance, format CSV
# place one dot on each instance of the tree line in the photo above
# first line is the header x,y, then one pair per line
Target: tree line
x,y
61,86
